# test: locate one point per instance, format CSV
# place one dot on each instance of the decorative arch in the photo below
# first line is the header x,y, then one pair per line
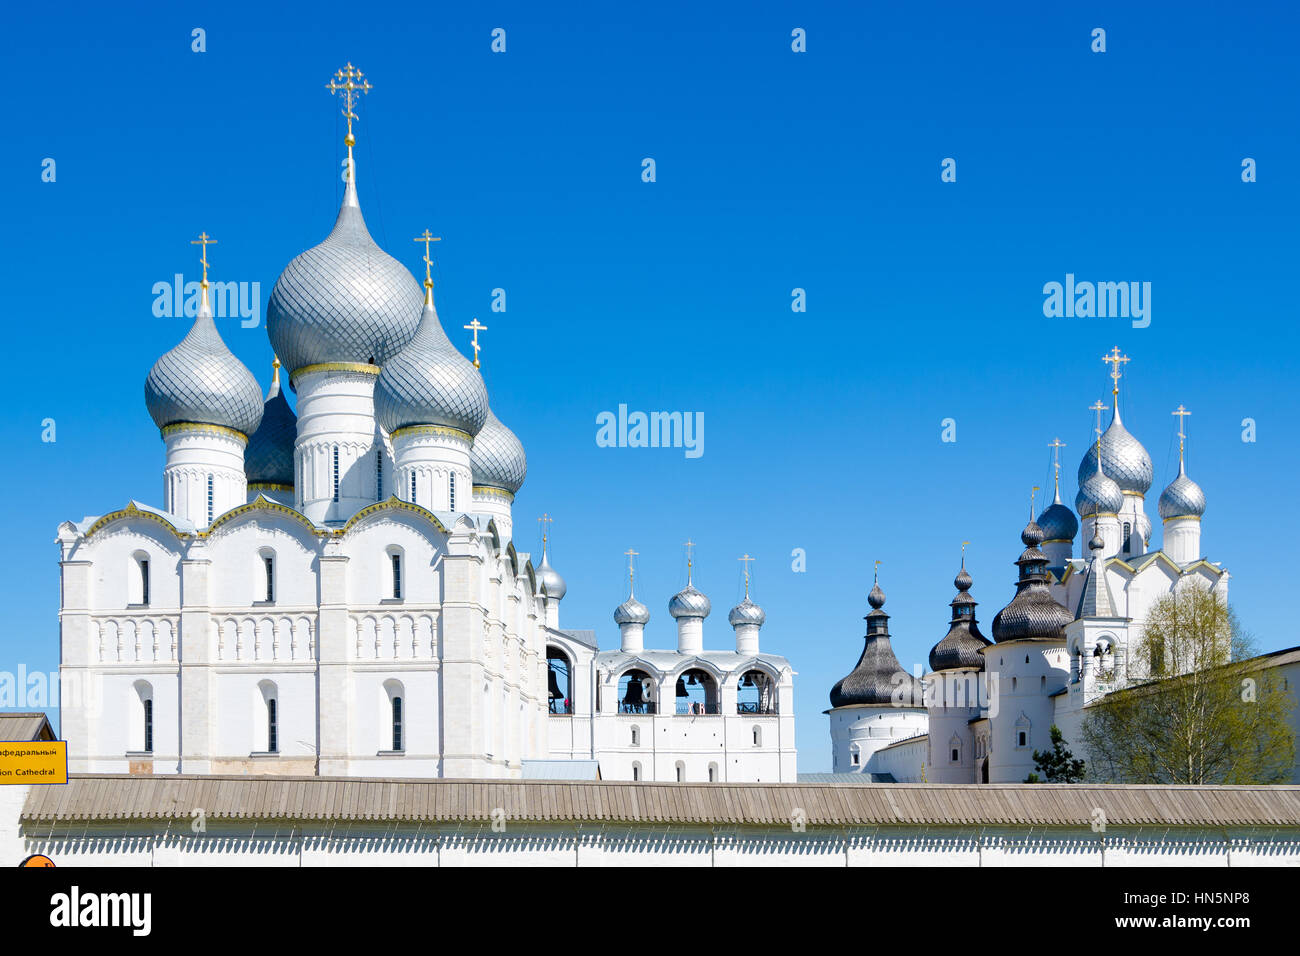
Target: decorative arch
x,y
133,510
391,505
260,505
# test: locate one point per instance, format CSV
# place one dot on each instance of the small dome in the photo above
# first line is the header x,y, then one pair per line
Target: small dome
x,y
430,383
1182,499
497,458
631,611
1098,495
1058,522
201,381
549,579
960,647
689,602
1122,458
1033,614
878,679
746,612
268,459
345,300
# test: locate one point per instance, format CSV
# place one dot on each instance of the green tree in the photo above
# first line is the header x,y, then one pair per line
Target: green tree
x,y
1057,765
1205,712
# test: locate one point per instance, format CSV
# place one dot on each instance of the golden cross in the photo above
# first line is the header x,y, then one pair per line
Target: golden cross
x,y
427,238
1182,414
746,558
690,562
474,324
877,577
545,520
1033,492
631,569
204,240
1098,406
1056,445
346,82
1115,360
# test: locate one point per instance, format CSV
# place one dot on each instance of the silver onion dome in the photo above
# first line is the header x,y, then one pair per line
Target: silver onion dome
x,y
549,579
631,611
268,459
497,458
1122,458
746,612
1182,499
430,383
201,381
345,300
1098,494
690,602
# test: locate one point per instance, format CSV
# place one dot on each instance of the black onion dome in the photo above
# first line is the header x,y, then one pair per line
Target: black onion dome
x,y
878,679
1033,614
961,646
269,456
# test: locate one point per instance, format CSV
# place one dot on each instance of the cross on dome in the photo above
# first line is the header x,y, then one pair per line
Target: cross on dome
x,y
352,85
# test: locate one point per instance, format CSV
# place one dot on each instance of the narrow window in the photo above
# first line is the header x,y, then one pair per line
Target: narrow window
x,y
270,578
144,580
713,773
209,499
272,735
148,726
855,758
681,772
452,505
758,736
1128,530
336,472
397,581
636,737
954,755
1021,738
636,772
379,474
412,487
397,723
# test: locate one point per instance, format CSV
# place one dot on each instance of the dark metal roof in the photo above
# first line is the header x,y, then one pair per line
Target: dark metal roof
x,y
961,646
123,797
1033,614
878,678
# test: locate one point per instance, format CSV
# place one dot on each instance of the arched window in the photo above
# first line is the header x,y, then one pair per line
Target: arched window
x,y
451,489
636,736
697,693
756,693
1128,530
636,693
559,681
210,499
758,736
148,726
681,772
395,561
137,586
636,770
336,472
268,566
141,731
713,773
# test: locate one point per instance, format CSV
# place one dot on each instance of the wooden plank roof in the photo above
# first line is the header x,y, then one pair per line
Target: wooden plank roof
x,y
106,797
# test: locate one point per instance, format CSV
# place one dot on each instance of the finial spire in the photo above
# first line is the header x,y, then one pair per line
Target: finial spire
x,y
1056,445
352,85
204,240
1182,414
1033,492
1098,406
275,370
746,558
876,578
428,238
963,554
474,324
631,572
1115,360
545,521
690,562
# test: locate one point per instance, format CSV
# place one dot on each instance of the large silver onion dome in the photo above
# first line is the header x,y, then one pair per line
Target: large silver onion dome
x,y
549,579
746,612
690,602
1098,494
268,459
201,381
345,300
497,458
1122,458
1182,499
631,611
430,383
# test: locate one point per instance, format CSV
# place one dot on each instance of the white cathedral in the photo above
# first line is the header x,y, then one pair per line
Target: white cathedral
x,y
1060,644
338,592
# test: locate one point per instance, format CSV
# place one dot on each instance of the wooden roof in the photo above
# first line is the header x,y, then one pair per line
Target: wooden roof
x,y
123,797
25,726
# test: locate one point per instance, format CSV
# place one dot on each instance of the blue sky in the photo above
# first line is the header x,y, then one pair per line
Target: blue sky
x,y
775,170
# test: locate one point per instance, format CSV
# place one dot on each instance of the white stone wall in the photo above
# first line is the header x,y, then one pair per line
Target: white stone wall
x,y
861,730
1027,674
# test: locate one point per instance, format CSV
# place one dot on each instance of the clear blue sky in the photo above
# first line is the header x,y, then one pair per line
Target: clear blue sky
x,y
775,170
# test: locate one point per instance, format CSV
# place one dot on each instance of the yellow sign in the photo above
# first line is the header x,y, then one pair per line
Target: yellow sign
x,y
38,761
